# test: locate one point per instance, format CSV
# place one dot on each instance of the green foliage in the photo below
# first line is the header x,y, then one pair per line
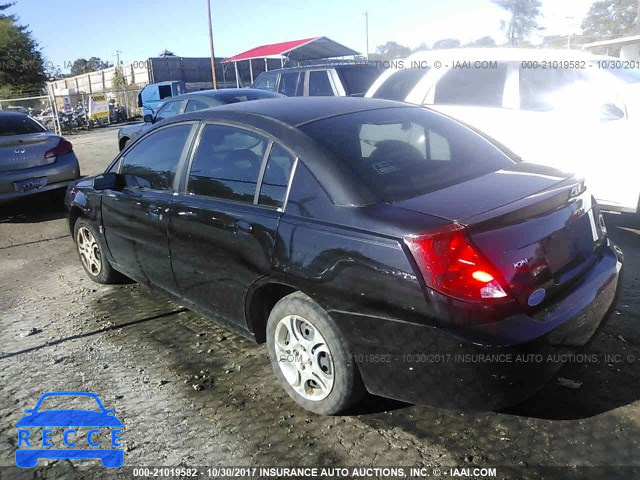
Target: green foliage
x,y
482,42
119,81
446,43
524,18
390,50
610,18
21,67
82,65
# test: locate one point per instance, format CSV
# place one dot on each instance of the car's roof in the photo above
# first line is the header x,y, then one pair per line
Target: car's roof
x,y
296,111
504,54
12,113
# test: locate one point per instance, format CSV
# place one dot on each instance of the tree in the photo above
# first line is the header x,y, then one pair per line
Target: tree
x,y
446,43
82,65
482,42
611,18
524,18
391,50
22,69
119,81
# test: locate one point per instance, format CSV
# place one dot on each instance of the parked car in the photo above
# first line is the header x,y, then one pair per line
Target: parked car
x,y
559,107
356,237
329,80
190,102
32,158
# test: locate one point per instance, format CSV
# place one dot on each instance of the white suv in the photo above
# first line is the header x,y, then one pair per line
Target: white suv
x,y
563,108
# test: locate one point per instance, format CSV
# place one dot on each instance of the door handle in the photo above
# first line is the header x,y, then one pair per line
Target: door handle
x,y
243,226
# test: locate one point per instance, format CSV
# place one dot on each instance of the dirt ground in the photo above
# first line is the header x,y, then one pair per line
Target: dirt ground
x,y
192,393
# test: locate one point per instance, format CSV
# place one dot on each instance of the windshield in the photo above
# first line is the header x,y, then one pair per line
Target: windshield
x,y
404,152
399,84
18,125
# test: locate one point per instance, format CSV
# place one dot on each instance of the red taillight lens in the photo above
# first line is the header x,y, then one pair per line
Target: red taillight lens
x,y
450,264
63,147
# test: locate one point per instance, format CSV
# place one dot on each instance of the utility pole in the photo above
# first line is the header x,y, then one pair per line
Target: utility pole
x,y
366,30
117,55
213,57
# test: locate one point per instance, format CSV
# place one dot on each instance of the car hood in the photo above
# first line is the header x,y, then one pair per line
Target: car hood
x,y
69,418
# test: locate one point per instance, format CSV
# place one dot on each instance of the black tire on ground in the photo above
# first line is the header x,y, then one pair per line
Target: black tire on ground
x,y
105,274
348,387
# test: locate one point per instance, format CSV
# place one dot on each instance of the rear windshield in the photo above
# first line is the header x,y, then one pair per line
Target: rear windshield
x,y
357,80
400,153
18,125
398,85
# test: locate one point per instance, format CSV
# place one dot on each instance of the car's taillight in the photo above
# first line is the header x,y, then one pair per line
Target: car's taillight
x,y
450,264
63,147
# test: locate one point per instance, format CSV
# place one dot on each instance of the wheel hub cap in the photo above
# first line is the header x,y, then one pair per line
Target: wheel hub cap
x,y
304,358
89,251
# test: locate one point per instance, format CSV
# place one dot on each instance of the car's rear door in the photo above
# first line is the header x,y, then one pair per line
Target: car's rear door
x,y
224,221
135,218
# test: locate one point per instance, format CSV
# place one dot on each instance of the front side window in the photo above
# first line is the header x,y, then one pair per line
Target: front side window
x,y
400,84
153,161
289,84
195,105
276,177
168,110
319,84
266,81
472,86
227,163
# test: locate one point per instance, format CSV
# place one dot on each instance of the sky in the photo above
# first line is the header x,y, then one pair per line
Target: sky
x,y
71,29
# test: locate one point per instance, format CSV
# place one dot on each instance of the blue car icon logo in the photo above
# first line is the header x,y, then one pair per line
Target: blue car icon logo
x,y
73,422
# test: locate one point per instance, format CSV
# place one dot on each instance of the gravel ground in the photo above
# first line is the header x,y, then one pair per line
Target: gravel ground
x,y
192,393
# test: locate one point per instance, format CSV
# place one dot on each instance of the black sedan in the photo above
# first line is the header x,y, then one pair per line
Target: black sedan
x,y
191,102
373,245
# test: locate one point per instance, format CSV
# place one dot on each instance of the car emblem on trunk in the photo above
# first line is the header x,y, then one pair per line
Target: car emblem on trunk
x,y
19,150
536,297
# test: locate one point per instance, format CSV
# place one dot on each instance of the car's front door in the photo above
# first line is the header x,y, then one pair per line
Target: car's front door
x,y
222,231
135,218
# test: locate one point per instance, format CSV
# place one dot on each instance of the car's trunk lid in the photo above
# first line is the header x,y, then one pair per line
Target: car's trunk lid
x,y
538,227
18,152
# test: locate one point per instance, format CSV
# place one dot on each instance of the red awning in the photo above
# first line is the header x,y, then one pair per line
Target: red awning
x,y
305,49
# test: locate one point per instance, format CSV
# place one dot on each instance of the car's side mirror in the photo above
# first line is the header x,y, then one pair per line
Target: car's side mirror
x,y
148,118
609,111
108,181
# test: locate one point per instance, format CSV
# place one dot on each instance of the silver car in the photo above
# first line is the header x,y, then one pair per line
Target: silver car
x,y
32,158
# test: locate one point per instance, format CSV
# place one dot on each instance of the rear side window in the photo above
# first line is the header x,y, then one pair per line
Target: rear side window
x,y
403,152
153,161
169,109
273,189
227,163
18,125
357,80
289,84
400,84
266,81
319,84
472,86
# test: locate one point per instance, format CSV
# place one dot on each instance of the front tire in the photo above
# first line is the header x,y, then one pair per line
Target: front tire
x,y
310,356
91,249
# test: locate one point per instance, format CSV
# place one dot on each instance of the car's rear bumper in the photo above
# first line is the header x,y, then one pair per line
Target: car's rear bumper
x,y
57,174
486,367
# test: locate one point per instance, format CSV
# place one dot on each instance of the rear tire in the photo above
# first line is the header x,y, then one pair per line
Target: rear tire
x,y
310,356
91,249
